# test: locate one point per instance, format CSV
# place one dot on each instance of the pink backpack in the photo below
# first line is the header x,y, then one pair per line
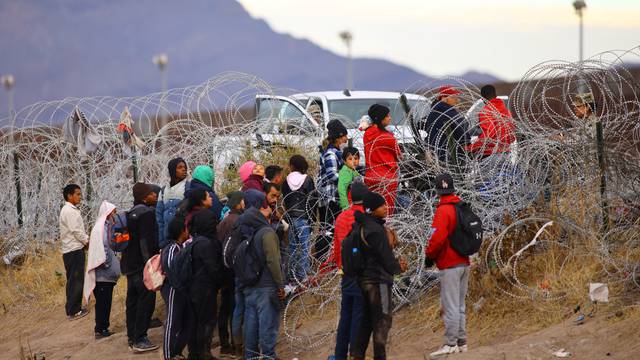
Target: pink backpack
x,y
152,275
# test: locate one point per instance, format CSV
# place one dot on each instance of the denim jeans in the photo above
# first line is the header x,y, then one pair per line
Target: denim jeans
x,y
261,322
299,234
350,316
238,317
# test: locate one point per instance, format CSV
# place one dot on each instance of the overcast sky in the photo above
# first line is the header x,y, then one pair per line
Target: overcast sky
x,y
438,38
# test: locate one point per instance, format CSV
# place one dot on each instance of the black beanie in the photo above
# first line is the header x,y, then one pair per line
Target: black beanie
x,y
358,191
372,201
173,164
336,129
140,191
377,113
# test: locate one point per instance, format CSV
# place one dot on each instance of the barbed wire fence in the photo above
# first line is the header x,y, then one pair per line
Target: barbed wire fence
x,y
580,177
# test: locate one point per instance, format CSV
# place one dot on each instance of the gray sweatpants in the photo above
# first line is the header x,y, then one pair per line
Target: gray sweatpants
x,y
453,290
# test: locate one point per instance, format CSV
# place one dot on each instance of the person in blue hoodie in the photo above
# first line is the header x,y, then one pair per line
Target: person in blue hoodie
x,y
203,177
170,197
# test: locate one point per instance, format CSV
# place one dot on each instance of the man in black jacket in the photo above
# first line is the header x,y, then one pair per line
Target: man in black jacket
x,y
207,279
143,244
446,128
376,280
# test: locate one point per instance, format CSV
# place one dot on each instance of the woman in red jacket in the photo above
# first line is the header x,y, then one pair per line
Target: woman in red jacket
x,y
382,154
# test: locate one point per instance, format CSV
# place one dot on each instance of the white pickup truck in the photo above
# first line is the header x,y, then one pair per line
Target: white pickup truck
x,y
302,118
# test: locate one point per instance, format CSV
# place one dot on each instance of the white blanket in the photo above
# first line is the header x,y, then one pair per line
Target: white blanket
x,y
97,255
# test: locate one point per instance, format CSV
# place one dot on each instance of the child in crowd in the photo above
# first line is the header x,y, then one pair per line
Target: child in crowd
x,y
176,330
347,174
103,269
299,201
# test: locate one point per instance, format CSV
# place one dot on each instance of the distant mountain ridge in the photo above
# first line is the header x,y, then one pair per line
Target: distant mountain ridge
x,y
79,48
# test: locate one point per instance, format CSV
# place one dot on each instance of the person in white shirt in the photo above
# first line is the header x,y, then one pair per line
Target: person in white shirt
x,y
74,240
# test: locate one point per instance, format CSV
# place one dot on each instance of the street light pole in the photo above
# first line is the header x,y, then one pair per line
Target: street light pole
x,y
347,38
161,61
580,5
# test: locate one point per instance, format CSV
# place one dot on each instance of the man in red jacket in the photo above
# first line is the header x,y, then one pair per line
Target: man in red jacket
x,y
454,268
496,123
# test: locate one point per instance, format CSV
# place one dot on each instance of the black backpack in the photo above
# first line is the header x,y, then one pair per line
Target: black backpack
x,y
353,259
180,272
247,263
230,244
467,236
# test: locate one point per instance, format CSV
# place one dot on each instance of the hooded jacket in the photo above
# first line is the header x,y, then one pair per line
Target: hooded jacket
x,y
380,265
498,129
102,264
207,250
444,223
267,246
445,127
299,195
203,178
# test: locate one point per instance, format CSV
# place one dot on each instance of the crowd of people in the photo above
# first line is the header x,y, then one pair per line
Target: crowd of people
x,y
230,264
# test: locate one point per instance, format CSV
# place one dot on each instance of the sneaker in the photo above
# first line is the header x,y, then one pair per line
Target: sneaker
x,y
444,350
463,348
144,345
80,314
103,334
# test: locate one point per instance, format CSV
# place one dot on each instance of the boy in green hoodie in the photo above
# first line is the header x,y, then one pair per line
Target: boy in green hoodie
x,y
347,174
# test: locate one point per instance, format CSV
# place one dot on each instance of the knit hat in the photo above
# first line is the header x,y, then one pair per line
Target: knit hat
x,y
172,166
336,129
372,201
444,184
447,90
155,188
140,191
234,198
254,198
246,170
377,113
358,191
204,174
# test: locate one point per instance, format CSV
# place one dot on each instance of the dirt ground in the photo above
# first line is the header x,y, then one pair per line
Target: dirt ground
x,y
47,334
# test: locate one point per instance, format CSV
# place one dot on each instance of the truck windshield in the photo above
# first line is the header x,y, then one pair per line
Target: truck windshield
x,y
277,116
349,111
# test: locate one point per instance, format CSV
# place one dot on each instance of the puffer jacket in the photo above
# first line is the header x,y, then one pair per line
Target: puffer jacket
x,y
444,223
207,250
498,129
168,201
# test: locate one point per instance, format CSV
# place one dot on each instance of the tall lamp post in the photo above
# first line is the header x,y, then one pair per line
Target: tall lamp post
x,y
161,61
8,81
580,5
347,38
